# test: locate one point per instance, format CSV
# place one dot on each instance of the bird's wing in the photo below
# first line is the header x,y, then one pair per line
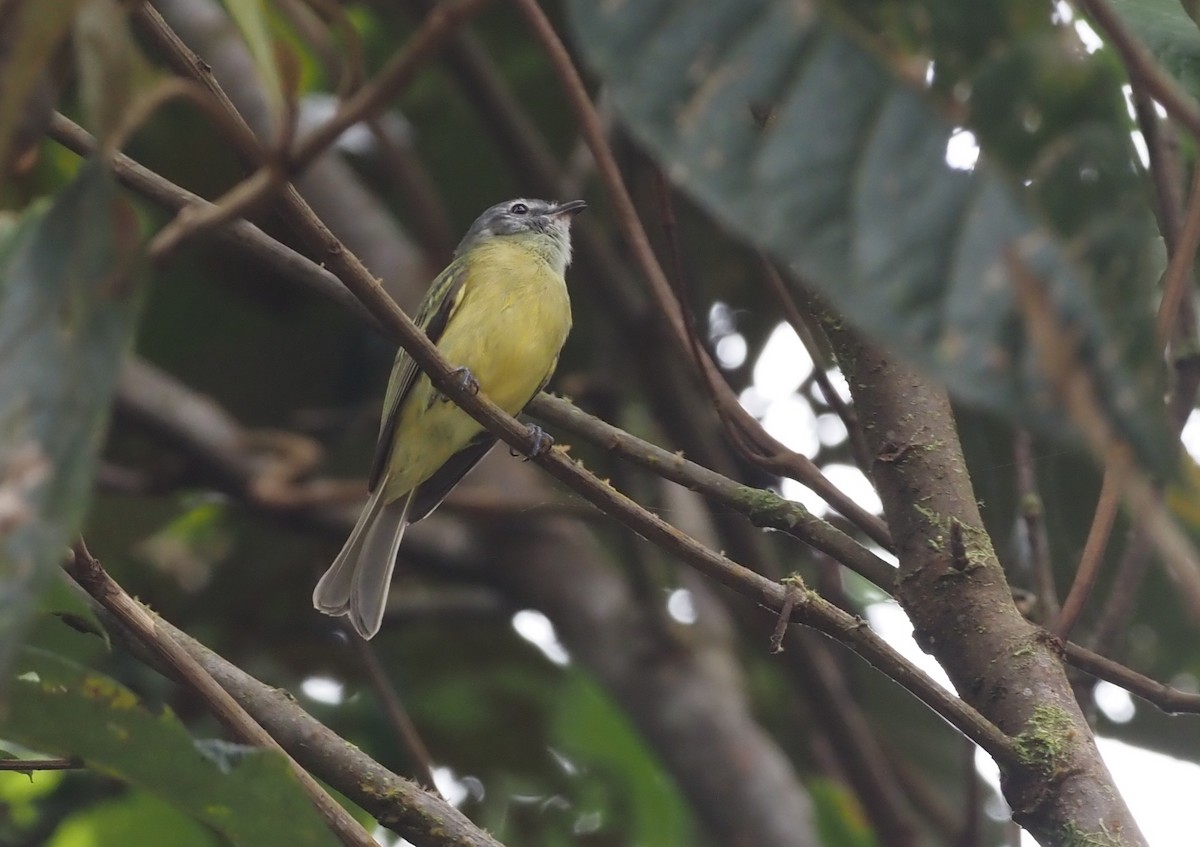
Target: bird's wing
x,y
429,494
441,301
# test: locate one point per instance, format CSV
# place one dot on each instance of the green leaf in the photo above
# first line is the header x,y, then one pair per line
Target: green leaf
x,y
1170,34
135,818
68,306
30,33
809,138
65,602
254,799
598,737
112,70
190,545
251,18
840,818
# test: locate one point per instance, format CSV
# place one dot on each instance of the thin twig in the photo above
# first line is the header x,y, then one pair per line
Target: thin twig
x,y
792,314
363,104
30,765
1176,281
394,709
764,508
1034,517
778,458
366,102
741,440
1179,269
245,237
198,218
785,615
316,19
1164,697
1166,172
1057,349
188,65
88,572
1142,67
345,64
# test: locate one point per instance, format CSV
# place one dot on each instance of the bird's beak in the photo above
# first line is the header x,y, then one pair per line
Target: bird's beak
x,y
571,207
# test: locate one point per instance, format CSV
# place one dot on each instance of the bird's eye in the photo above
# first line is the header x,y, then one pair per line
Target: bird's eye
x,y
518,209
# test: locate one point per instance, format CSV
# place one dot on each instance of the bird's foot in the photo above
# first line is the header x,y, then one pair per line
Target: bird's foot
x,y
463,380
542,442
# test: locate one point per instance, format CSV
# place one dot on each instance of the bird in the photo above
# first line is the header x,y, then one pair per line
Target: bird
x,y
500,313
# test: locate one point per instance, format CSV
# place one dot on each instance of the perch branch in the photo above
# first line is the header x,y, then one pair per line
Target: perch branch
x,y
397,803
87,571
764,508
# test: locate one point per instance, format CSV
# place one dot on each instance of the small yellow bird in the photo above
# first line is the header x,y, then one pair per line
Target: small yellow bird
x,y
500,312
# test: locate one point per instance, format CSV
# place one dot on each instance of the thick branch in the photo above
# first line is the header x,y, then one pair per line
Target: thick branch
x,y
954,590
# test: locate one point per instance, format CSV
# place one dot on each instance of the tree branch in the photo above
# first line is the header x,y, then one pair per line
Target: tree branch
x,y
1164,697
31,765
393,709
1033,516
395,802
961,604
439,25
813,612
135,618
1142,66
764,508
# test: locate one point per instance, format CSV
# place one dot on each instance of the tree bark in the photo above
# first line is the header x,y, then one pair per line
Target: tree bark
x,y
955,592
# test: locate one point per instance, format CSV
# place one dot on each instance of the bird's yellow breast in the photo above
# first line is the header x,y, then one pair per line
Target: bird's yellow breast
x,y
507,329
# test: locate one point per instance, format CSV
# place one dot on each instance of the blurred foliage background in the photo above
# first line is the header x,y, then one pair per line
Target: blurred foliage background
x,y
571,683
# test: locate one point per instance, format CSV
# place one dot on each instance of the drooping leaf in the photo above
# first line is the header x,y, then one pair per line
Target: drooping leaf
x,y
30,33
793,132
254,799
68,306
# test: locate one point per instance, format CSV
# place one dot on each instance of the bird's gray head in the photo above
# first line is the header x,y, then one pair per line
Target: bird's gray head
x,y
547,219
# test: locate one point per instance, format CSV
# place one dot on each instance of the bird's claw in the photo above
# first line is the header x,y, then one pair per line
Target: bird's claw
x,y
463,380
542,442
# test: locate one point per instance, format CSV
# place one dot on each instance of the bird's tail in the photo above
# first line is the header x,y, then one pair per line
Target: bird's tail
x,y
356,584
